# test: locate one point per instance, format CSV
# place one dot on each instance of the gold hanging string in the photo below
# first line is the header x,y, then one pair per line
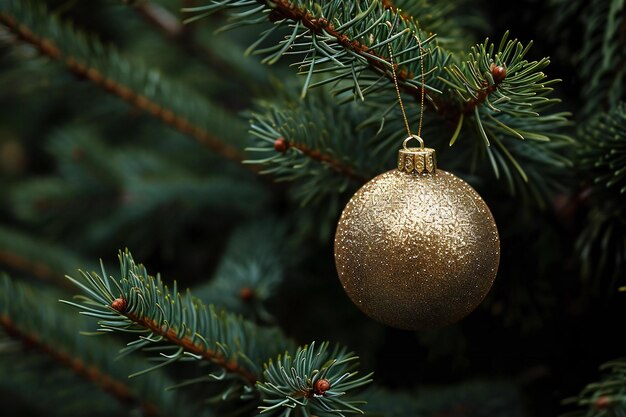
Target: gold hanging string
x,y
395,82
423,89
423,77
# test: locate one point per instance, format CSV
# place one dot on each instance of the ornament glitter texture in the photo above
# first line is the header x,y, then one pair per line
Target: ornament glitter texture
x,y
417,248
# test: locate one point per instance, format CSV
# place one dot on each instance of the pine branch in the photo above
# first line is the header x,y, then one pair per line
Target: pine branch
x,y
46,261
605,397
494,88
139,303
335,164
353,54
144,304
249,272
600,56
120,184
318,379
85,66
34,318
315,142
601,244
104,381
219,58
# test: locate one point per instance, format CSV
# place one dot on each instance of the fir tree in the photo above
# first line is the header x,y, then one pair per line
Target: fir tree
x,y
219,141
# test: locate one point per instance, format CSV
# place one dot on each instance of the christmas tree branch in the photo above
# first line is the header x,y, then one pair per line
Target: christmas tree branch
x,y
143,304
33,317
335,164
139,303
161,18
17,261
605,397
319,137
120,183
191,346
325,33
285,9
84,67
89,372
493,88
224,59
45,261
249,273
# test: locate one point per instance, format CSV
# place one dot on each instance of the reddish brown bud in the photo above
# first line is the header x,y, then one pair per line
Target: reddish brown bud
x,y
603,402
321,386
119,304
498,73
246,294
281,145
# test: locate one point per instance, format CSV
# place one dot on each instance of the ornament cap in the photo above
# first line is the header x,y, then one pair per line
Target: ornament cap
x,y
420,161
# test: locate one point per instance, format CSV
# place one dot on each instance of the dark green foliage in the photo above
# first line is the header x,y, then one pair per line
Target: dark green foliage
x,y
293,382
119,185
149,302
180,327
50,337
317,125
601,163
605,398
119,126
351,47
600,51
76,47
252,267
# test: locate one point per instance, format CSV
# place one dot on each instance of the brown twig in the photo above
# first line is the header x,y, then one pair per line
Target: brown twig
x,y
167,116
288,10
189,345
388,4
170,26
16,261
336,165
480,98
90,372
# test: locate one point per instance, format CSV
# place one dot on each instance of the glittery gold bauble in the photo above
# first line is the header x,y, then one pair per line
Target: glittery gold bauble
x,y
417,248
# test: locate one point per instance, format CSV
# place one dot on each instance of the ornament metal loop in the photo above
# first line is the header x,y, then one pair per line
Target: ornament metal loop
x,y
420,140
416,160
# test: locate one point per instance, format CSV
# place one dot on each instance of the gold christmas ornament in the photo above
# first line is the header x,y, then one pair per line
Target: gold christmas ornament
x,y
416,247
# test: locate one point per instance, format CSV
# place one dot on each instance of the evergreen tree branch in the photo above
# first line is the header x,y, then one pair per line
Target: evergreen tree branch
x,y
33,317
605,397
161,18
81,66
601,244
250,271
143,304
335,164
315,142
17,261
88,372
47,262
212,355
494,88
224,58
140,303
369,54
125,186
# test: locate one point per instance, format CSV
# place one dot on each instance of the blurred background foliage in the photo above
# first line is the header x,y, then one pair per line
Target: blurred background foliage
x,y
87,169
